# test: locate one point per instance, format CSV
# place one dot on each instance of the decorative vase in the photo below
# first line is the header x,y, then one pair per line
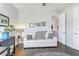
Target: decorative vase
x,y
5,35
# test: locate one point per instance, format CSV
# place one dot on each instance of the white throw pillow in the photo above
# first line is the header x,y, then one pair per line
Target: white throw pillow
x,y
47,33
46,36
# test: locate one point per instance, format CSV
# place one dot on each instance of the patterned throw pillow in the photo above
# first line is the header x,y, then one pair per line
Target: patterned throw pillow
x,y
40,35
29,37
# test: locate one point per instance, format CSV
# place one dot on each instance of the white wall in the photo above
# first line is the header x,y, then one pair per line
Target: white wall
x,y
62,27
9,10
26,17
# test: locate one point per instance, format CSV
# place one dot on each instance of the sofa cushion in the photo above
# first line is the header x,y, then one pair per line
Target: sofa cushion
x,y
40,35
50,36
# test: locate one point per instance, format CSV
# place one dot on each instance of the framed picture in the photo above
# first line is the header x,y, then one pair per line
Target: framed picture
x,y
43,23
4,20
31,25
38,24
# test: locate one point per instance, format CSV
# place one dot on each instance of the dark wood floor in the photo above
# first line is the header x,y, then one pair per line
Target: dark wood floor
x,y
20,51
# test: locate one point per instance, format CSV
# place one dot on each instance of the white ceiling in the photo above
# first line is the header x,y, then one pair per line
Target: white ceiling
x,y
38,6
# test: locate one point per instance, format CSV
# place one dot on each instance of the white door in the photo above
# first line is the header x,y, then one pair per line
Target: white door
x,y
62,27
69,27
76,27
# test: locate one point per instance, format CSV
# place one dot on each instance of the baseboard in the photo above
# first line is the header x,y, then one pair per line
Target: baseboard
x,y
40,47
69,50
61,44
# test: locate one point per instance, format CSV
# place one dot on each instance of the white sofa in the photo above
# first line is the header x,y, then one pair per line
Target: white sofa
x,y
35,42
40,43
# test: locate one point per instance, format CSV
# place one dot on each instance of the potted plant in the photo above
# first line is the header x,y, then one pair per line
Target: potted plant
x,y
7,31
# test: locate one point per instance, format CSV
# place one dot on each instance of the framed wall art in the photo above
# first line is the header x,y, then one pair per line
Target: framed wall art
x,y
43,23
38,24
31,25
4,20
